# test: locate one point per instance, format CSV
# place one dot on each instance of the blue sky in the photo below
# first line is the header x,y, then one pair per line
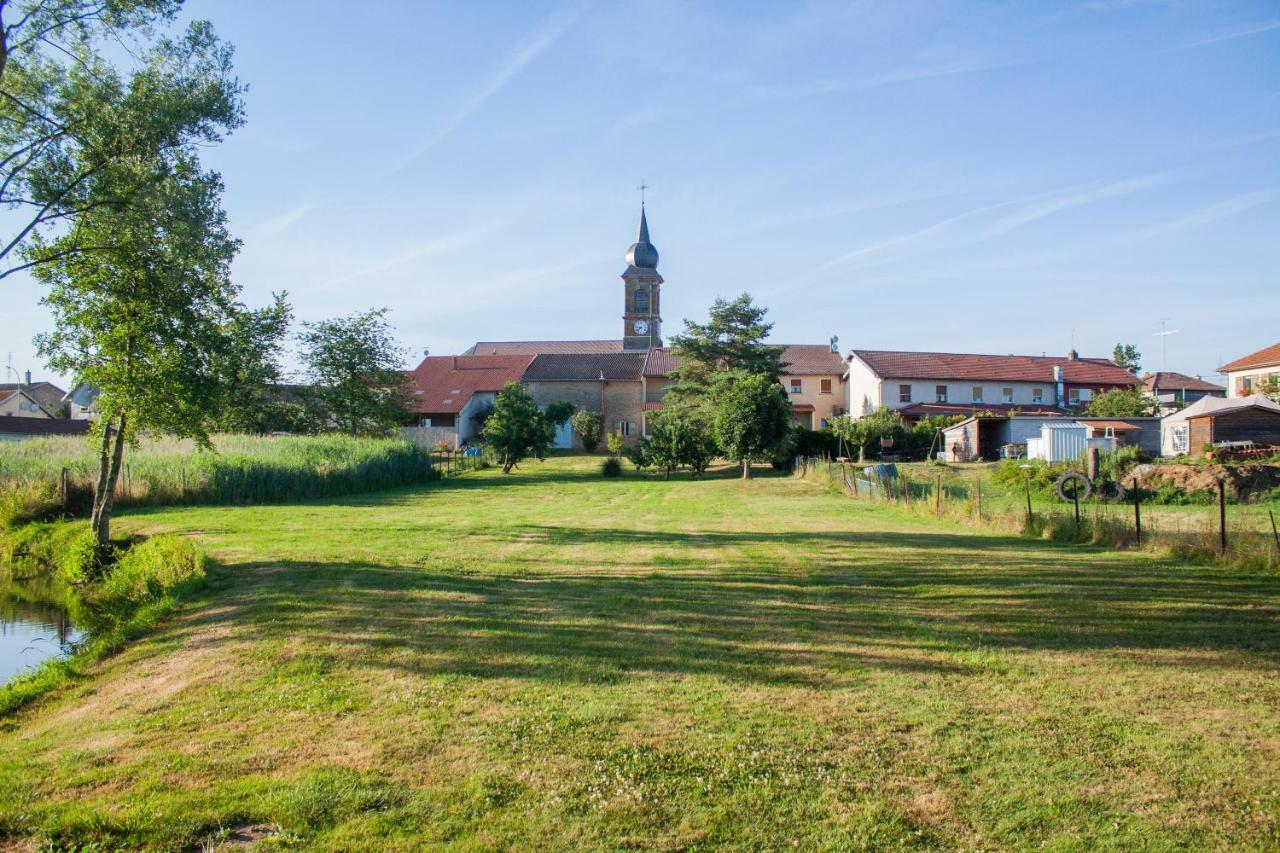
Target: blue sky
x,y
1005,177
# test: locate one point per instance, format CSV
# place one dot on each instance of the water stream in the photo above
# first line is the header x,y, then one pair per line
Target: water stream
x,y
35,623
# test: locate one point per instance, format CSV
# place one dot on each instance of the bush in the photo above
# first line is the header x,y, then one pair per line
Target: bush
x,y
84,559
612,467
589,426
149,571
1114,465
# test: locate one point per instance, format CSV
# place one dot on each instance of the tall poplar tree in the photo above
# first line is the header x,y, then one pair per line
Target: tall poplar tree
x,y
150,317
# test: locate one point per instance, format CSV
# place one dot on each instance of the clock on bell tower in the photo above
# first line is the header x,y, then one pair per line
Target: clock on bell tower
x,y
641,289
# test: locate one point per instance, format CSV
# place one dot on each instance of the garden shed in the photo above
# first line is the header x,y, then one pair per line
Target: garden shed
x,y
1213,420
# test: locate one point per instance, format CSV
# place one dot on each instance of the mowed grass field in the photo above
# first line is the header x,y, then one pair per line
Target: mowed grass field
x,y
551,660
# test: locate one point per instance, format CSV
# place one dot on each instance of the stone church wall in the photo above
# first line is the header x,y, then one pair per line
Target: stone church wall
x,y
621,401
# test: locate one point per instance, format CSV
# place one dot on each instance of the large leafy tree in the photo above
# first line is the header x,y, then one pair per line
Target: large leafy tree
x,y
146,316
732,339
147,323
1128,357
70,124
751,416
1122,403
867,430
354,367
251,361
517,429
678,438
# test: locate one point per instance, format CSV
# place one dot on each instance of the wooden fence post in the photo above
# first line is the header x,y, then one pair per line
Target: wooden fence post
x,y
979,500
1274,534
62,489
1222,515
1075,499
937,498
1137,511
1028,479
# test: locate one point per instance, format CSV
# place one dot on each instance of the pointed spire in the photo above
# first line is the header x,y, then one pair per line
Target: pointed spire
x,y
642,253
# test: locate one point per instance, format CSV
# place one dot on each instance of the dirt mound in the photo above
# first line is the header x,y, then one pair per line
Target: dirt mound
x,y
1242,481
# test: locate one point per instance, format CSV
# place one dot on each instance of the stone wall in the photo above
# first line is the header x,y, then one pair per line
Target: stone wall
x,y
621,401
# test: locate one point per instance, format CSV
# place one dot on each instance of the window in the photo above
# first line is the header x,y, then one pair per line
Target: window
x,y
1075,396
940,394
642,300
824,424
904,393
826,386
977,393
797,386
1037,395
624,428
1245,386
1006,395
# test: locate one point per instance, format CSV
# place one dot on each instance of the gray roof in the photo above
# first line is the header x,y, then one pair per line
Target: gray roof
x,y
586,367
642,253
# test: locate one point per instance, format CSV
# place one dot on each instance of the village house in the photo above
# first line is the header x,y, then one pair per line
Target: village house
x,y
17,402
452,392
81,402
922,384
48,395
1247,374
1172,391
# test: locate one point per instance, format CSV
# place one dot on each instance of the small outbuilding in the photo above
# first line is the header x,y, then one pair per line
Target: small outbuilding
x,y
1252,420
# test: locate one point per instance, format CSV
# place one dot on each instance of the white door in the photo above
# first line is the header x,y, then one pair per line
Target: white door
x,y
564,436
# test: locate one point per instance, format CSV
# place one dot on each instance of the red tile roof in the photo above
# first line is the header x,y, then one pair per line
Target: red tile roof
x,y
661,361
1169,381
543,347
447,382
797,360
1262,358
1012,368
1118,426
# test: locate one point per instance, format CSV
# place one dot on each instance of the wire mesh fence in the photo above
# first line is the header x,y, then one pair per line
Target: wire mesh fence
x,y
1226,531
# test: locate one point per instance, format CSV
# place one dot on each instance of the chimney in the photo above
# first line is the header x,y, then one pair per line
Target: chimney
x,y
1059,393
1072,355
28,378
455,362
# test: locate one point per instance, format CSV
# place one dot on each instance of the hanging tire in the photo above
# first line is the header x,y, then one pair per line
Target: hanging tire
x,y
1112,492
1079,486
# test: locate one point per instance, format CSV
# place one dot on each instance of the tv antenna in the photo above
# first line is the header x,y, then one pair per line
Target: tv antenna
x,y
1163,335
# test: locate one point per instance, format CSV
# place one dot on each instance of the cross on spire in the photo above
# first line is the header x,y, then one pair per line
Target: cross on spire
x,y
643,186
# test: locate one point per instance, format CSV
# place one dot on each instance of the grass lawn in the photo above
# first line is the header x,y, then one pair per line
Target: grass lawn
x,y
553,660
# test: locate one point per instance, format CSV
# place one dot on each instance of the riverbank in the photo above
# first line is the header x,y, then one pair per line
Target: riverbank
x,y
142,586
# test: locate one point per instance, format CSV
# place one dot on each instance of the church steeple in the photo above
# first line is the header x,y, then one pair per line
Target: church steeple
x,y
641,322
642,253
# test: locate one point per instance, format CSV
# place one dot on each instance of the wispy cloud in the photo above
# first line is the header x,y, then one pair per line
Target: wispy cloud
x,y
1206,215
526,51
994,220
439,246
1242,31
827,86
281,222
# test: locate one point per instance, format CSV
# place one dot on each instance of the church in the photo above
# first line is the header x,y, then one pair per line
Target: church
x,y
623,378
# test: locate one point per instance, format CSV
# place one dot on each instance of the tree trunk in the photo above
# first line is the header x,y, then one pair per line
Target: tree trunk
x,y
103,527
104,468
746,469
